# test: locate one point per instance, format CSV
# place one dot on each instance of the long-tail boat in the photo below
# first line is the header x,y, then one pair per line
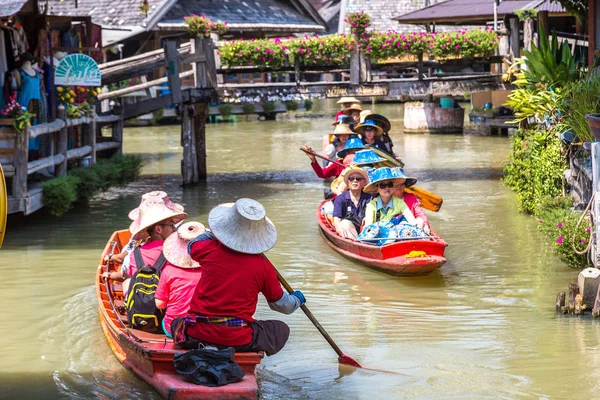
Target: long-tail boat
x,y
411,257
149,355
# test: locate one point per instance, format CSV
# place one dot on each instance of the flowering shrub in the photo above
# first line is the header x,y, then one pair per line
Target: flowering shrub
x,y
359,22
19,113
473,43
327,50
258,52
381,46
199,26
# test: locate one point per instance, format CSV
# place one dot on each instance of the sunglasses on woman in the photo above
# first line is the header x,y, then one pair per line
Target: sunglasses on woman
x,y
356,178
369,128
384,185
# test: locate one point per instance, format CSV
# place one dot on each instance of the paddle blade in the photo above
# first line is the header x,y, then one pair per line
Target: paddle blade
x,y
428,200
347,360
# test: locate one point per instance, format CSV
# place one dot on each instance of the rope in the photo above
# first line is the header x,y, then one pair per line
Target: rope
x,y
587,248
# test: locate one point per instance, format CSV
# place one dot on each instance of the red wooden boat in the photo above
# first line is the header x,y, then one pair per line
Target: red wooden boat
x,y
150,356
402,258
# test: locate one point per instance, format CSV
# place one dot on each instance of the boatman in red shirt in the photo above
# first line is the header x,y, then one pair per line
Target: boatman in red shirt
x,y
234,272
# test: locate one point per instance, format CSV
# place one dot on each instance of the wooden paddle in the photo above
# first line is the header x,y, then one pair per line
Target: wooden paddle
x,y
342,358
428,200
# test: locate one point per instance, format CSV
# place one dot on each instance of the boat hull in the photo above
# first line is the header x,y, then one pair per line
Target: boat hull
x,y
152,358
394,258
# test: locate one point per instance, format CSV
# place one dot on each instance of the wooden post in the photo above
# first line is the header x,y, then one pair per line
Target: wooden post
x,y
90,134
211,64
117,128
420,67
19,184
297,71
560,301
172,62
543,25
528,33
189,164
61,147
218,64
355,69
200,114
205,72
514,36
365,67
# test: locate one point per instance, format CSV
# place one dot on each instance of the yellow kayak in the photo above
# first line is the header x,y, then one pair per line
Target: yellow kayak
x,y
3,205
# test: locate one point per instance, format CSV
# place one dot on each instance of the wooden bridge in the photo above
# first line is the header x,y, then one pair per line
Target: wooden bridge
x,y
196,62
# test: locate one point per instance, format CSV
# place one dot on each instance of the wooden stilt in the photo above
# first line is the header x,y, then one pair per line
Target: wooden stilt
x,y
189,164
200,114
19,184
573,292
560,301
528,34
61,146
117,129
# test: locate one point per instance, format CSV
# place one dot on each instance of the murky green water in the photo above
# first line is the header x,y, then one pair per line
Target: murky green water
x,y
482,327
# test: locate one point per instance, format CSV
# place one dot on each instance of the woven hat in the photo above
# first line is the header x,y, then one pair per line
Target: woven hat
x,y
399,174
343,129
175,247
355,170
365,157
243,226
353,143
156,195
379,175
353,107
380,120
360,128
151,212
343,119
348,100
363,114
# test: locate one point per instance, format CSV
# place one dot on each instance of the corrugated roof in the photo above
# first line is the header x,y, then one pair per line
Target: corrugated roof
x,y
241,12
10,7
470,10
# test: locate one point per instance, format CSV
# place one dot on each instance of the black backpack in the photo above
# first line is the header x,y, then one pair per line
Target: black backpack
x,y
142,312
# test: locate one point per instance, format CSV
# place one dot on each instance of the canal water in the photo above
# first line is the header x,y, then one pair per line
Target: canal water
x,y
482,327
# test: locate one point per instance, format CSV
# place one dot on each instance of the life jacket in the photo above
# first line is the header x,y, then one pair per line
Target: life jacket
x,y
142,312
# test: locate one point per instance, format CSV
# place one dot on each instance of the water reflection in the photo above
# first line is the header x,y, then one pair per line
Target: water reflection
x,y
481,327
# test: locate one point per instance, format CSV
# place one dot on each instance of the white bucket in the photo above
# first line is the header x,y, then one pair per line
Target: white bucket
x,y
86,161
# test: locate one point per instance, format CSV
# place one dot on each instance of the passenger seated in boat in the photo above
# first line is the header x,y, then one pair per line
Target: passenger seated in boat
x,y
346,102
336,140
354,112
411,200
346,155
234,272
179,276
349,207
370,134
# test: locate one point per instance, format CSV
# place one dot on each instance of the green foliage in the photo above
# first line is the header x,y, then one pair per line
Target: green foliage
x,y
465,43
537,101
526,14
259,52
269,106
60,194
359,22
249,108
81,184
580,98
535,167
292,105
579,8
325,50
559,223
549,64
225,110
308,104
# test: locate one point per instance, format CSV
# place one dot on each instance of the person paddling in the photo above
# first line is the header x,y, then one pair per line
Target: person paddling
x,y
234,272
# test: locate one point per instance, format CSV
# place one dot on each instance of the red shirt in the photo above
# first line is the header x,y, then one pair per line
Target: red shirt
x,y
229,287
332,170
176,287
150,253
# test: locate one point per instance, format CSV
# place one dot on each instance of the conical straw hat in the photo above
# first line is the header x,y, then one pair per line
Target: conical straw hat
x,y
348,100
243,226
175,247
151,213
353,107
363,114
155,195
343,129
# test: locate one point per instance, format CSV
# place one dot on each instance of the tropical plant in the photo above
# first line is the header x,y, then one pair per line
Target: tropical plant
x,y
269,106
292,105
20,114
249,108
579,8
526,14
308,104
581,98
225,110
539,102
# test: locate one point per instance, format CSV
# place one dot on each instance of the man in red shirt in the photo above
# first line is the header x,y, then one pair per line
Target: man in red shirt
x,y
234,272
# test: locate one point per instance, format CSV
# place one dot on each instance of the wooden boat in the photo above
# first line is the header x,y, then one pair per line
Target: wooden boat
x,y
402,258
150,356
3,205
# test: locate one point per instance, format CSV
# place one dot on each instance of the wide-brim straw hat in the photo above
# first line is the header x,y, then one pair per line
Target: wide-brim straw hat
x,y
380,120
175,247
152,212
360,128
399,174
353,143
155,195
366,157
380,175
353,107
343,129
355,170
243,226
348,100
363,114
343,119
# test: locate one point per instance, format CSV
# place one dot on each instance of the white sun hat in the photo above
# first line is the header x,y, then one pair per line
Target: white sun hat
x,y
151,213
175,247
155,195
243,226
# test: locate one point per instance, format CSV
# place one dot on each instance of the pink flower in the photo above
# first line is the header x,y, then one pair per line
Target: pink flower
x,y
559,224
540,221
587,230
559,240
582,240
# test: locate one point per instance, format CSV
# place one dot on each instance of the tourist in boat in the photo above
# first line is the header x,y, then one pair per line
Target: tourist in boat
x,y
370,134
349,207
179,276
411,200
234,272
346,102
333,170
340,135
354,112
385,125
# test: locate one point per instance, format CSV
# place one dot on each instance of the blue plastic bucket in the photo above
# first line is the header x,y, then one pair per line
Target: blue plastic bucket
x,y
447,102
